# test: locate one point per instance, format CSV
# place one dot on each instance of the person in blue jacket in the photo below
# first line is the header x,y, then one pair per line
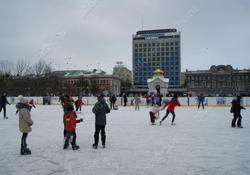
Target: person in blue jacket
x,y
201,99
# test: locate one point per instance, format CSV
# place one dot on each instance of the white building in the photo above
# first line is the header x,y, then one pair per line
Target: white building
x,y
158,84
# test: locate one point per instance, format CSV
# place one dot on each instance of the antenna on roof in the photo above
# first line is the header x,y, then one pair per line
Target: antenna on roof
x,y
142,22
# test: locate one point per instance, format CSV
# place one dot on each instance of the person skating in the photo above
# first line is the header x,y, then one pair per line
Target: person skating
x,y
125,99
100,110
3,102
170,108
25,123
112,100
70,128
137,101
154,111
201,99
236,109
79,103
61,99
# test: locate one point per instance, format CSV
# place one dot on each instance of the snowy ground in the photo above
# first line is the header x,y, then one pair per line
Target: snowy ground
x,y
201,143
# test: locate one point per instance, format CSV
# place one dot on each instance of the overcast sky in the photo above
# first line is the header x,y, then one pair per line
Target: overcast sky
x,y
82,34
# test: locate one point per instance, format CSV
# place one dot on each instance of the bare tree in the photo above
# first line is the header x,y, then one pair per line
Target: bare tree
x,y
21,67
5,67
29,70
47,69
39,67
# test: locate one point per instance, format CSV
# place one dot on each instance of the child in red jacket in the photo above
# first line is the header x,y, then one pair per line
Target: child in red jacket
x,y
170,108
70,128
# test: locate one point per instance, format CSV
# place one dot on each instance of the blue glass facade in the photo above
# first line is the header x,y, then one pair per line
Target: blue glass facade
x,y
156,49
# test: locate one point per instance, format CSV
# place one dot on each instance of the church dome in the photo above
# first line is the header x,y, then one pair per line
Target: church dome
x,y
158,72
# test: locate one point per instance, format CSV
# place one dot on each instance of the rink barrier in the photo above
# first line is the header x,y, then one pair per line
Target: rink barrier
x,y
209,101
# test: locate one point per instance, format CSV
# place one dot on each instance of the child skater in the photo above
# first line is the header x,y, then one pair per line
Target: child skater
x,y
153,112
79,103
70,128
170,108
236,108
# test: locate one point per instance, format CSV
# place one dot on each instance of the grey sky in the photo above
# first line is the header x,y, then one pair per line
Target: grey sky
x,y
97,33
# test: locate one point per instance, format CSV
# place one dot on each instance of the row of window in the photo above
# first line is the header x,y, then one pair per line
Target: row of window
x,y
205,84
79,82
138,55
148,60
165,65
156,49
222,78
156,44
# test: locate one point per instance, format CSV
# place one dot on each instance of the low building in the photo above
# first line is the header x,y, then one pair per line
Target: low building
x,y
82,82
218,80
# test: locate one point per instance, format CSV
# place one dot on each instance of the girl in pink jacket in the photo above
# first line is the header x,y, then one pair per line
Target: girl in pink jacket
x,y
153,111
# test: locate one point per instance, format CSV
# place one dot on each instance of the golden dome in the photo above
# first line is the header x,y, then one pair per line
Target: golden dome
x,y
158,72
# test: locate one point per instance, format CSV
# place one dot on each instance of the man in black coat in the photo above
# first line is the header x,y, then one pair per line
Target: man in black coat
x,y
100,110
3,102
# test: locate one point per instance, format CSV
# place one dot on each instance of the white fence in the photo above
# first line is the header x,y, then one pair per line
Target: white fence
x,y
209,101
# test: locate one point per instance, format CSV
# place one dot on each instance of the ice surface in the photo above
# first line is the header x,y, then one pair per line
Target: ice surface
x,y
202,142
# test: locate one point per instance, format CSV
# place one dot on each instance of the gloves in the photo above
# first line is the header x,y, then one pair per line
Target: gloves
x,y
81,120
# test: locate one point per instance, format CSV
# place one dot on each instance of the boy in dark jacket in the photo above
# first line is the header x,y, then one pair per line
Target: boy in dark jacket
x,y
70,128
236,108
100,110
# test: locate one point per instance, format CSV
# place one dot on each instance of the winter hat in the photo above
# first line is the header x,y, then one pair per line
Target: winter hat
x,y
20,97
24,100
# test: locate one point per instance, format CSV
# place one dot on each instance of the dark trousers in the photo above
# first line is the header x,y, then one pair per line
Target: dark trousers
x,y
99,128
152,117
23,140
201,103
167,116
237,117
4,110
68,134
79,107
112,105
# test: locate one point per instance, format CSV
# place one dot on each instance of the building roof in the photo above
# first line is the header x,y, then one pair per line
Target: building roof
x,y
166,80
76,73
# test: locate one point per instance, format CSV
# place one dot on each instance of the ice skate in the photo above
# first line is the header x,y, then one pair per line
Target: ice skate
x,y
94,146
173,123
75,147
239,126
66,144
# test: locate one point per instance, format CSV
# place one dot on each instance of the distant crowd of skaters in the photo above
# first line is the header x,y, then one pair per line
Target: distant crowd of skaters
x,y
100,109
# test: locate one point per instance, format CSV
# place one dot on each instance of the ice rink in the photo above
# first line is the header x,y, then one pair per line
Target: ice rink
x,y
201,143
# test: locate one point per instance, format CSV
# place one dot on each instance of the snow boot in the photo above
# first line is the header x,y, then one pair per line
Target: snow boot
x,y
24,150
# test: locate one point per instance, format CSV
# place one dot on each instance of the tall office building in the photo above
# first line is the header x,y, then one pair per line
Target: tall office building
x,y
156,49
